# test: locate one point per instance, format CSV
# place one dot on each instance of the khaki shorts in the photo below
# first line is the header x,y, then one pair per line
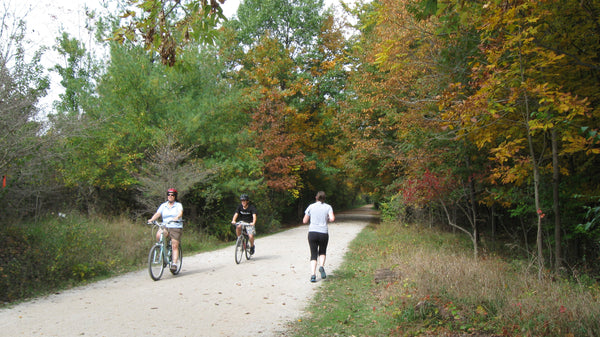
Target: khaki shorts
x,y
175,233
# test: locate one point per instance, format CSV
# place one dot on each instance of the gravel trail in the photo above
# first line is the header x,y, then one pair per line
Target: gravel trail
x,y
212,296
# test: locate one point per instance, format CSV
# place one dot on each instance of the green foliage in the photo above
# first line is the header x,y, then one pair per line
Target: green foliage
x,y
295,24
392,208
292,102
42,256
591,228
78,76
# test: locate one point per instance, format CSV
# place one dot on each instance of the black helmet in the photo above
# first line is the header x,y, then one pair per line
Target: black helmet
x,y
244,197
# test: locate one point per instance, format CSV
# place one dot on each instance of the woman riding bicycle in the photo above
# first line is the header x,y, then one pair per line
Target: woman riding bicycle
x,y
170,211
245,212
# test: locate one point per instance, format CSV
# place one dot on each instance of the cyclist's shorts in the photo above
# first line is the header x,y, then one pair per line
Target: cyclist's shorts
x,y
175,233
251,230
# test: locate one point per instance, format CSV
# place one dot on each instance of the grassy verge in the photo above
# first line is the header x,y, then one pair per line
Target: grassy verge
x,y
59,253
411,281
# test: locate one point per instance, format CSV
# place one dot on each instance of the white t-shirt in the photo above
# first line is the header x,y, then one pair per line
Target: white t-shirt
x,y
319,216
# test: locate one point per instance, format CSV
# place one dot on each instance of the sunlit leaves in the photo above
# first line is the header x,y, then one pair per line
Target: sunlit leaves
x,y
519,91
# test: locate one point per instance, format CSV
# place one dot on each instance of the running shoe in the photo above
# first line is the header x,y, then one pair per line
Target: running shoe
x,y
322,271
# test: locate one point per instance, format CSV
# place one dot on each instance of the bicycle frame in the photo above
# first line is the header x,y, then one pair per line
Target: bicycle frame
x,y
160,255
242,243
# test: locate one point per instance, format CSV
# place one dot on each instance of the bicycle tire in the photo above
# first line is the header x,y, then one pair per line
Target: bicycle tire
x,y
179,261
239,249
247,250
156,263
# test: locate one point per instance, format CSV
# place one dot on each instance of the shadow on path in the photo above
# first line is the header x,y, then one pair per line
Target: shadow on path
x,y
365,213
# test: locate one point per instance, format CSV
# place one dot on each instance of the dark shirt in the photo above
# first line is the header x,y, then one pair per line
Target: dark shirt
x,y
245,214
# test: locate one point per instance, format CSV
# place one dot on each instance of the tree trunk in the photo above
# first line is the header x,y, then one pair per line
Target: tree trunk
x,y
493,220
536,177
473,205
555,203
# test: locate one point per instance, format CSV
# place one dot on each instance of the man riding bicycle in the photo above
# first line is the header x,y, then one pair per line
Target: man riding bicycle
x,y
245,212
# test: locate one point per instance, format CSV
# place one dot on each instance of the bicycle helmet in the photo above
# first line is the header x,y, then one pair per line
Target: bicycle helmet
x,y
172,190
244,197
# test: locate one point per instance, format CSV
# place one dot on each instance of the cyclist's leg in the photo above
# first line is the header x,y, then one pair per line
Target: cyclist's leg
x,y
159,232
175,240
251,233
175,246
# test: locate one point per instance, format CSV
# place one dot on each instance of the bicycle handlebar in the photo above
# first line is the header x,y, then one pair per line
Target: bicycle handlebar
x,y
243,223
162,224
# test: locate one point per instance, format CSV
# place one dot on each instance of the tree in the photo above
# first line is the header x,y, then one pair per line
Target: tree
x,y
168,166
78,75
21,141
276,126
390,109
292,84
166,26
293,23
518,102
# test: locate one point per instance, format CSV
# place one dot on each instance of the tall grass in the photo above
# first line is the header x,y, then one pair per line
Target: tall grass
x,y
433,285
59,252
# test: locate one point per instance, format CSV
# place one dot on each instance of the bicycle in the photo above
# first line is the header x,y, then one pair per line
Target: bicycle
x,y
242,244
160,254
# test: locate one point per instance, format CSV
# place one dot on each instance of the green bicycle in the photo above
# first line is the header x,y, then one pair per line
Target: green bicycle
x,y
161,253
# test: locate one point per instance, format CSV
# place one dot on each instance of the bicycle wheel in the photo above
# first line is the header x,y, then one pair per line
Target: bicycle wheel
x,y
247,245
156,264
179,261
239,249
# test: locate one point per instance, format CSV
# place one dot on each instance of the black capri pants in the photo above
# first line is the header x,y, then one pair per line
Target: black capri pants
x,y
318,244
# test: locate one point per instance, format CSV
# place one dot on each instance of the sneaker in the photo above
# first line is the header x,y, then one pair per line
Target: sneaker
x,y
252,250
322,271
173,266
313,278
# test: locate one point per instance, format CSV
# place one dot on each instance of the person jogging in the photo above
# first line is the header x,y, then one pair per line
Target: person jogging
x,y
319,214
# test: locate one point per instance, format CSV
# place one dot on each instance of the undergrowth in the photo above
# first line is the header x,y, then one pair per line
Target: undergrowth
x,y
413,281
61,252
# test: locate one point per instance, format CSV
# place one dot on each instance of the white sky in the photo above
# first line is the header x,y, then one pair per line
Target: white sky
x,y
46,19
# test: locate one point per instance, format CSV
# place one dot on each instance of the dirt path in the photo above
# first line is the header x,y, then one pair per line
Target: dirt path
x,y
211,297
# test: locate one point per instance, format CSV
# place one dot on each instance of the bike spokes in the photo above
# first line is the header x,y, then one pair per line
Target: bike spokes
x,y
239,249
156,263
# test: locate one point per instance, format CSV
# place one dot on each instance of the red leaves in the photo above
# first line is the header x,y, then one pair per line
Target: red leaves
x,y
429,187
541,214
